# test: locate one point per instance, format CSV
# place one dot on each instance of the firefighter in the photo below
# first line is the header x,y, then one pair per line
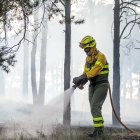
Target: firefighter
x,y
96,71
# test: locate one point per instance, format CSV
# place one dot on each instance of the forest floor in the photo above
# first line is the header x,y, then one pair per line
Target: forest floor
x,y
73,133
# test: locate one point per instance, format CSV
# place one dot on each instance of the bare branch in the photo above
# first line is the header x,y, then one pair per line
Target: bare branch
x,y
129,8
121,15
129,3
132,21
130,31
57,9
135,1
79,21
62,3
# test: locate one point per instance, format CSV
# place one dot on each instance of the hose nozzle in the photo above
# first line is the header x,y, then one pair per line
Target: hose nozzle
x,y
74,86
79,86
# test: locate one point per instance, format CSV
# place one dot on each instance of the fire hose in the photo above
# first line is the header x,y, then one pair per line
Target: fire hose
x,y
117,117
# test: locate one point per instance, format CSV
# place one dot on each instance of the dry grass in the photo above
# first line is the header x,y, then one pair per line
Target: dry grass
x,y
81,133
73,133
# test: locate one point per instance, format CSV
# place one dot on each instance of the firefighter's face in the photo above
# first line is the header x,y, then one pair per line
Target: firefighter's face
x,y
90,51
87,51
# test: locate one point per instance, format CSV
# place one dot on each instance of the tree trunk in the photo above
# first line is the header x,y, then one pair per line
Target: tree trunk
x,y
67,114
116,62
33,61
43,61
25,68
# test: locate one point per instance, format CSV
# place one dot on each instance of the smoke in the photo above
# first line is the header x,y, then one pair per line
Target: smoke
x,y
20,117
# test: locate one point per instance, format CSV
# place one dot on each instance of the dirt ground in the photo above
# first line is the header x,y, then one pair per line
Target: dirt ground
x,y
75,133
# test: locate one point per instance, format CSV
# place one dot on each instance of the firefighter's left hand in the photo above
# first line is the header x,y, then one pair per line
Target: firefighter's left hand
x,y
76,81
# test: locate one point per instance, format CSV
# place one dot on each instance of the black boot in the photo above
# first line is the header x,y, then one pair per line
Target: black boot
x,y
97,132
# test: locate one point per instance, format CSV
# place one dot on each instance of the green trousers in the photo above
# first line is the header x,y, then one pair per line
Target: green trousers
x,y
97,96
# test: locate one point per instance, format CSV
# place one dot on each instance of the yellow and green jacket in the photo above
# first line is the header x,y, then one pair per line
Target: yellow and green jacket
x,y
96,68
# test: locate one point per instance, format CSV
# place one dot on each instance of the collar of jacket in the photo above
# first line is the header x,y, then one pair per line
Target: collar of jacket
x,y
92,58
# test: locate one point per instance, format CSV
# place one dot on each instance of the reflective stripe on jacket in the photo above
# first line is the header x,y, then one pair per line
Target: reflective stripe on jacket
x,y
97,68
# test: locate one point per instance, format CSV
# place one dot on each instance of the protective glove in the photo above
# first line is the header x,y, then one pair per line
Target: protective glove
x,y
80,81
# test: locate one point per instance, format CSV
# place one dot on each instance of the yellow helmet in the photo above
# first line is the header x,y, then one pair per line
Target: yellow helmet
x,y
87,42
